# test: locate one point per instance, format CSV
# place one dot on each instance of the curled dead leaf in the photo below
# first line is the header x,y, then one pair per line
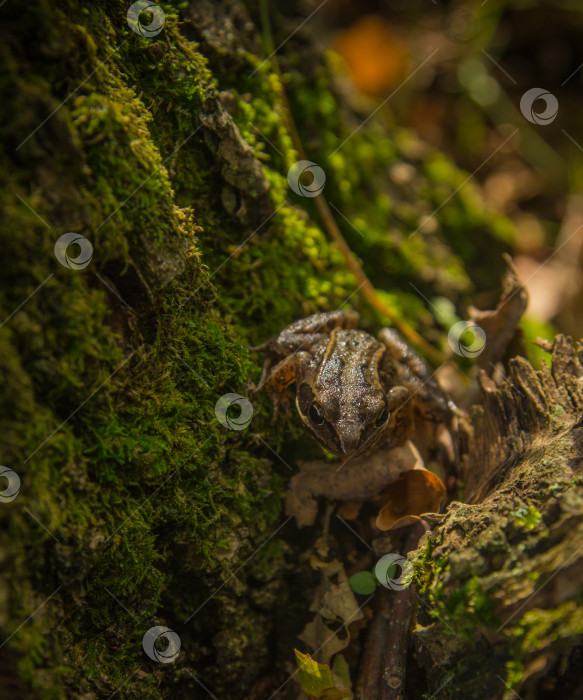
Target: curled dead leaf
x,y
501,325
415,492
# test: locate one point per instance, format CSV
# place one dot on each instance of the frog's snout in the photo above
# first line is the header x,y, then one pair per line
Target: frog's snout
x,y
349,437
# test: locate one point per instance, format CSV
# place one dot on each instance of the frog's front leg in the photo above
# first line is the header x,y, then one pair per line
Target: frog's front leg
x,y
277,378
290,350
425,395
301,336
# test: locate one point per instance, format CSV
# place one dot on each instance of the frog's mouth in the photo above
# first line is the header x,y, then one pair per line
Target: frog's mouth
x,y
355,439
371,435
362,442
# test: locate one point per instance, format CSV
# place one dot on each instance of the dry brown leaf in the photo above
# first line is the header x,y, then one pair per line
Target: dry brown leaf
x,y
333,602
317,635
416,492
501,325
360,478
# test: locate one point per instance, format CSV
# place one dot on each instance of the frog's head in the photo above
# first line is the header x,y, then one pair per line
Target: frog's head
x,y
343,424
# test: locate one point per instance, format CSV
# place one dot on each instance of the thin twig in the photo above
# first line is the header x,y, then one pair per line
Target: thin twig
x,y
371,666
384,661
330,224
400,622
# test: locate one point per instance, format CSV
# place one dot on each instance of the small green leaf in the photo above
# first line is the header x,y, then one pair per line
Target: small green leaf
x,y
363,583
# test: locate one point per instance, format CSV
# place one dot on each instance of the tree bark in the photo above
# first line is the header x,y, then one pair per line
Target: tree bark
x,y
501,574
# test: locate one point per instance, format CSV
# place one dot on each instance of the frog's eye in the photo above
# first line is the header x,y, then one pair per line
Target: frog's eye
x,y
382,417
315,413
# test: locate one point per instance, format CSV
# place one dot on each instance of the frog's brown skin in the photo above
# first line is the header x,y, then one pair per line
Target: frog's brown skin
x,y
352,390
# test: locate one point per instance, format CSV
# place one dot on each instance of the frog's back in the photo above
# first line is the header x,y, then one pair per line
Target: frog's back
x,y
350,358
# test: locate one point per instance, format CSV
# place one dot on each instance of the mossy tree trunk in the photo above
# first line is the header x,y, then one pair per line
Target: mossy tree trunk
x,y
137,507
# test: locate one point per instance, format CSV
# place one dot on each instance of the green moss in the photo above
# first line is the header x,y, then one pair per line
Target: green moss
x,y
460,612
527,517
425,568
537,630
464,610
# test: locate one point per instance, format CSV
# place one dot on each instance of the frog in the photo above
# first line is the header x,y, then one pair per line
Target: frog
x,y
353,392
